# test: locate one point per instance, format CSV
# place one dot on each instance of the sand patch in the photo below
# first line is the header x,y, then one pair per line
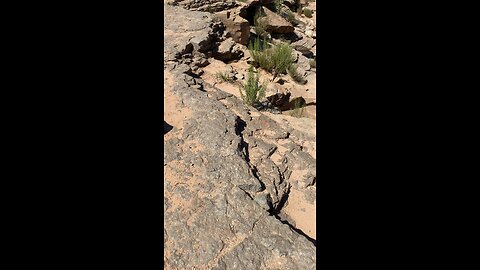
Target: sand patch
x,y
174,113
302,213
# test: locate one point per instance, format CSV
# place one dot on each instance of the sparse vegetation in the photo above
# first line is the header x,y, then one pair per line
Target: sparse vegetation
x,y
277,5
260,53
254,91
286,13
307,12
290,16
297,77
223,76
313,63
260,25
275,60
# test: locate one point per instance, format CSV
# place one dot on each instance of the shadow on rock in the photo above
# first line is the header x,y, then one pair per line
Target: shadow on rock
x,y
166,127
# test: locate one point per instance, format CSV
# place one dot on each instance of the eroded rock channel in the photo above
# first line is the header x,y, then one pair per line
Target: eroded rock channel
x,y
240,183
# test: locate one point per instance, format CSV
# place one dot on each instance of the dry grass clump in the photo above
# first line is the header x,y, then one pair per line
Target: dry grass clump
x,y
223,76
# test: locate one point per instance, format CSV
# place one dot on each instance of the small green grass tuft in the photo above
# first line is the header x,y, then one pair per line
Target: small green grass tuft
x,y
277,5
259,52
307,12
223,76
290,16
252,92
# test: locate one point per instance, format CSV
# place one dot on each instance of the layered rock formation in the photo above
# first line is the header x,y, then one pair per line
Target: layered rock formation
x,y
230,170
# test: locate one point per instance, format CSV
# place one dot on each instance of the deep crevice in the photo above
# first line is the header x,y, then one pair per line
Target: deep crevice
x,y
250,13
281,203
255,173
276,213
313,241
239,128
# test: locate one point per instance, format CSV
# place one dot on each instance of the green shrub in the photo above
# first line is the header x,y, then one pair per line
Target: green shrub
x,y
260,52
307,12
275,60
282,58
223,76
254,91
292,71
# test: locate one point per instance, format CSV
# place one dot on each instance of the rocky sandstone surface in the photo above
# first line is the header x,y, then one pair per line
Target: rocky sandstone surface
x,y
240,183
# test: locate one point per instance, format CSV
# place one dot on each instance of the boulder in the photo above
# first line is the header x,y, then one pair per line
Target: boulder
x,y
303,62
197,34
237,27
305,46
276,23
228,50
310,33
279,99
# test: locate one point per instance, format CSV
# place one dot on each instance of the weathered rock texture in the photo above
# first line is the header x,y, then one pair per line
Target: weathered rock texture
x,y
204,5
276,23
228,168
236,26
